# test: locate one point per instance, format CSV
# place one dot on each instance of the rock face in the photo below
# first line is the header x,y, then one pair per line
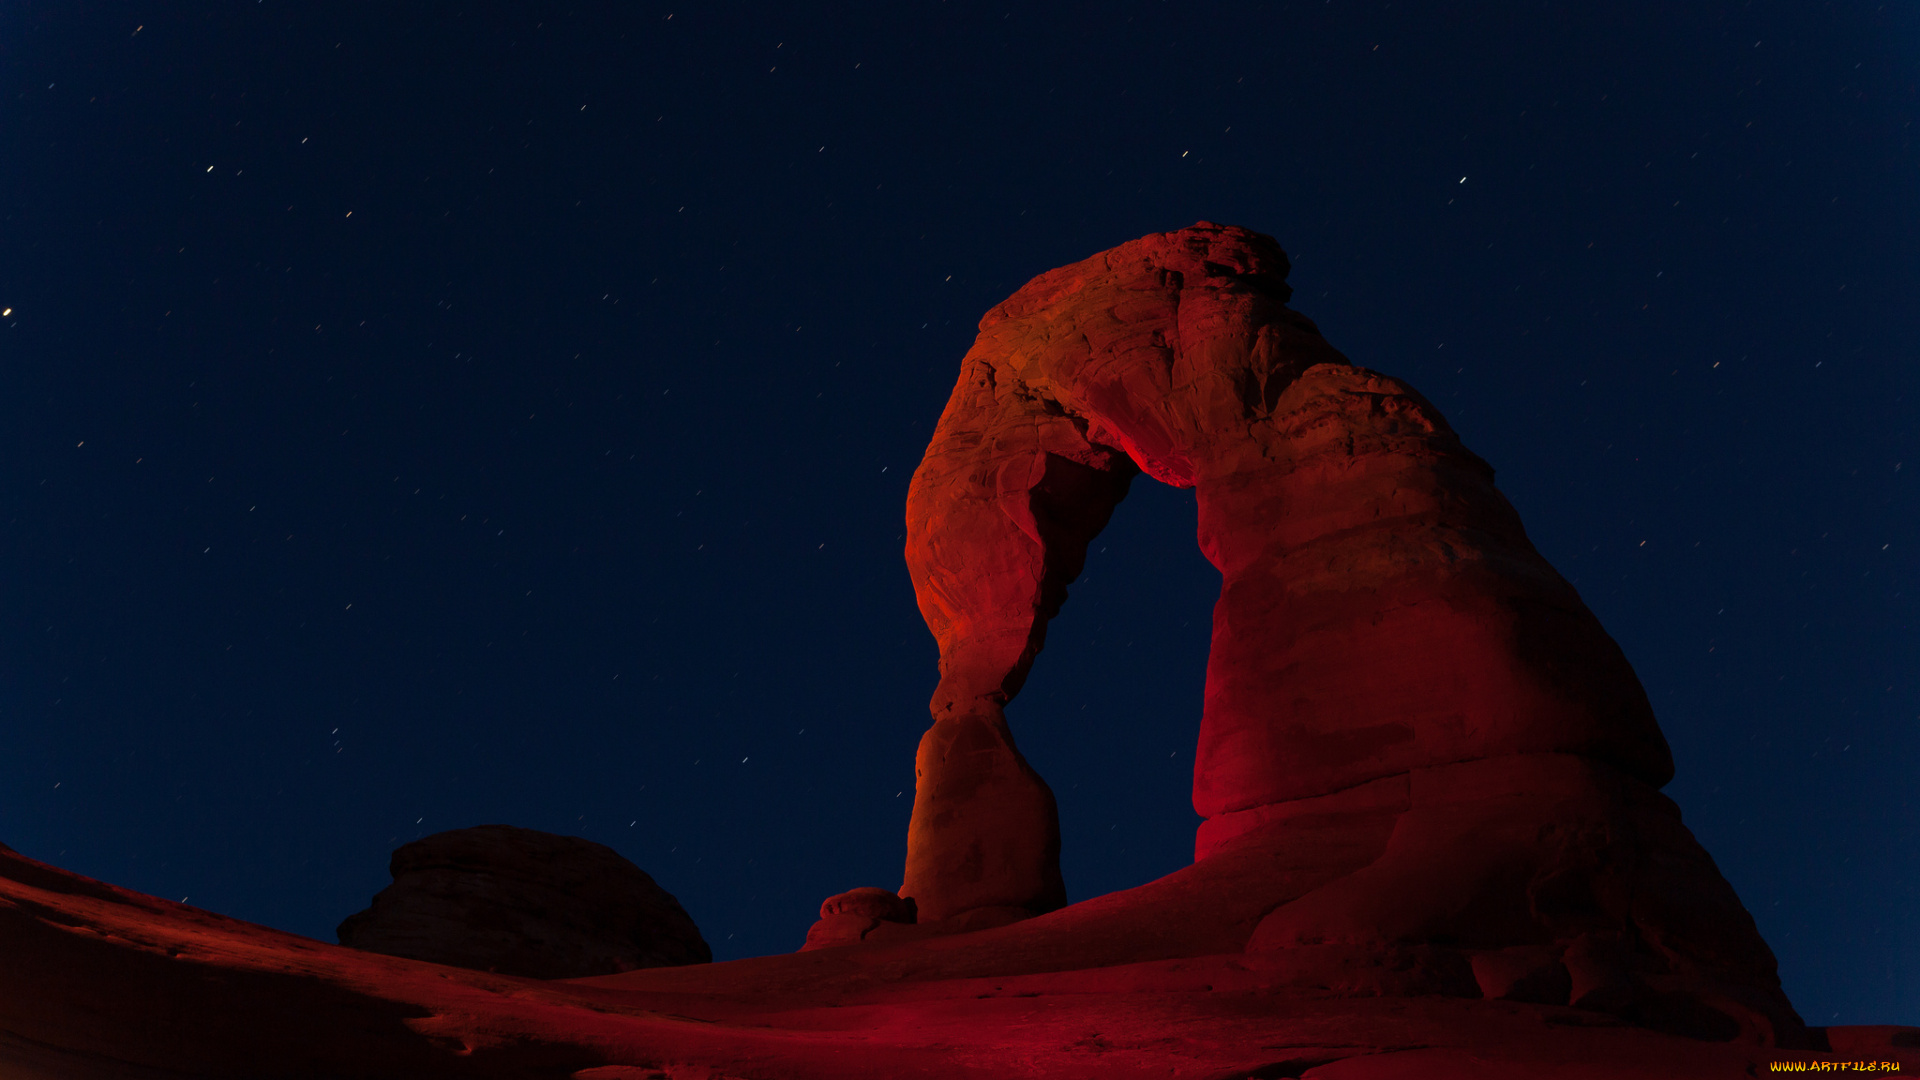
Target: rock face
x,y
1434,843
521,902
1384,626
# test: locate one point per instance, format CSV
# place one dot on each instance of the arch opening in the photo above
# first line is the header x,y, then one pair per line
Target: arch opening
x,y
1111,712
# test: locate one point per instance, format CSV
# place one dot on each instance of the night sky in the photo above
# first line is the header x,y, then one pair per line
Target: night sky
x,y
424,415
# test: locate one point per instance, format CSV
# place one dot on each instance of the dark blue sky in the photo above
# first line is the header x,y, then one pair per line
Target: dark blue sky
x,y
503,413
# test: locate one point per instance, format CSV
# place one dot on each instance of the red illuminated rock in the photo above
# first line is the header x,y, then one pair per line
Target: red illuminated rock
x,y
522,902
104,984
1434,844
1381,608
1383,619
851,916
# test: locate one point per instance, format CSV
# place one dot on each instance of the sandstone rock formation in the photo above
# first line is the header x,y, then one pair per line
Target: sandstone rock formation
x,y
521,902
851,916
1434,844
1385,631
100,983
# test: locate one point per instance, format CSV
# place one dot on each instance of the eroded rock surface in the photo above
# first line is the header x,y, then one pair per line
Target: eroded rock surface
x,y
101,983
1434,842
522,902
1383,623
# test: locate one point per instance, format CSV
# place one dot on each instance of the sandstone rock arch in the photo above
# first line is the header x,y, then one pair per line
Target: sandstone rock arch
x,y
1381,608
1423,767
1428,779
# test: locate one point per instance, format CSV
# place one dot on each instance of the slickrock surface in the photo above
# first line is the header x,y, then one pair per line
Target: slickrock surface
x,y
522,902
100,983
1434,845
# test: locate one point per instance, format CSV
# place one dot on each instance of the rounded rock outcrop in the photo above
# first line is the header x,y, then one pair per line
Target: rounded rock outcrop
x,y
522,902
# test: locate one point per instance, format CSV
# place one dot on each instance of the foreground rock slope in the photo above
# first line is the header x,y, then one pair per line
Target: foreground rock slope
x,y
100,983
1434,843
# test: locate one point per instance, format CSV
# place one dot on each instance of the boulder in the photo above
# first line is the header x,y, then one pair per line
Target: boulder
x,y
522,902
852,915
